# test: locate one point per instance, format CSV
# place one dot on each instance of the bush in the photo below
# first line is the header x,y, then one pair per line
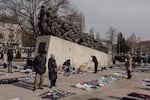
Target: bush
x,y
18,55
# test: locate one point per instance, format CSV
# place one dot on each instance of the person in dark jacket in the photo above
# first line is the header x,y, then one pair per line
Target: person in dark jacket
x,y
52,66
10,59
66,66
94,59
39,65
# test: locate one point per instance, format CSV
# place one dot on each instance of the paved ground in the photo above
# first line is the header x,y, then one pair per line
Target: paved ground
x,y
113,91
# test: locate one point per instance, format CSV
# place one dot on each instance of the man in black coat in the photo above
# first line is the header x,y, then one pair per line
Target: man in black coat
x,y
52,66
94,59
39,65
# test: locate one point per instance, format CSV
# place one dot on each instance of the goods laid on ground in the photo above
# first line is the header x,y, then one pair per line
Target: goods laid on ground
x,y
139,95
99,82
56,94
146,82
14,80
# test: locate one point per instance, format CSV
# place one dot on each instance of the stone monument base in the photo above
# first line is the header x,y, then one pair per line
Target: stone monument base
x,y
63,50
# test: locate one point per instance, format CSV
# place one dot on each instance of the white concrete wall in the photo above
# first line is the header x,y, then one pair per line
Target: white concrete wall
x,y
78,54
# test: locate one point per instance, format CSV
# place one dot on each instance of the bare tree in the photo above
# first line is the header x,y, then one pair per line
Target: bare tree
x,y
26,12
132,42
97,36
138,48
121,45
111,35
82,22
91,31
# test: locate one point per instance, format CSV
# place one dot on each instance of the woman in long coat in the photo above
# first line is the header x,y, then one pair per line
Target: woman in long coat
x,y
52,66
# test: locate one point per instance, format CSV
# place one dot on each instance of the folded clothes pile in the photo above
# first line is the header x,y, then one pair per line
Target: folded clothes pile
x,y
136,96
88,85
146,81
119,75
8,80
139,95
14,80
94,84
56,94
99,82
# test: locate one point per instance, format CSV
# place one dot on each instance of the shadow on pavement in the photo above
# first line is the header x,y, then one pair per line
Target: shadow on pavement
x,y
94,99
27,85
114,97
3,71
148,89
23,85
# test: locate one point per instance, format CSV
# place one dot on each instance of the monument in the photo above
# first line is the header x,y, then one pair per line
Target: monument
x,y
66,41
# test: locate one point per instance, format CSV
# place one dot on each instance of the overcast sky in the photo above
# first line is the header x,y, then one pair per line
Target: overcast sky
x,y
126,16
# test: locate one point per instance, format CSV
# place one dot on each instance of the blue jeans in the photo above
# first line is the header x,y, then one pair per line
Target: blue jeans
x,y
10,66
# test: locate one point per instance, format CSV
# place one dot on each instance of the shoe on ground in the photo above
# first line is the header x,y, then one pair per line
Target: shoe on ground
x,y
34,89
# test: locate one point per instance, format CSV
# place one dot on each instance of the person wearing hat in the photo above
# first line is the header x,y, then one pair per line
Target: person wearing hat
x,y
39,65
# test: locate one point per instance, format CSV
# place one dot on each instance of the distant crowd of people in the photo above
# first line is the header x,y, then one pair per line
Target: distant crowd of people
x,y
133,61
141,59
